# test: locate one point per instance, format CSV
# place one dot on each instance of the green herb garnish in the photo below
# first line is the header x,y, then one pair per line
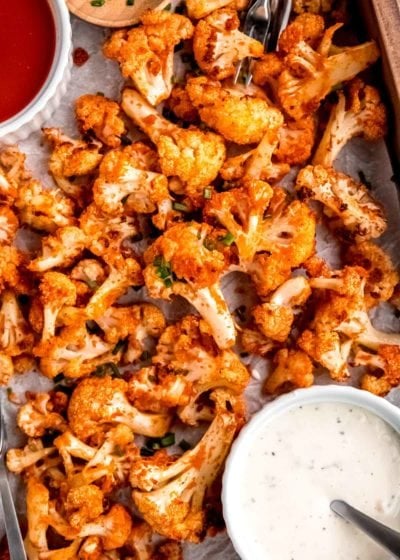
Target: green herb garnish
x,y
164,270
109,368
167,440
209,244
97,3
180,206
207,193
227,239
130,2
167,8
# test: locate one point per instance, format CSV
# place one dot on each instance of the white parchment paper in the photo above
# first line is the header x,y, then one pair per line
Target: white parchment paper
x,y
101,75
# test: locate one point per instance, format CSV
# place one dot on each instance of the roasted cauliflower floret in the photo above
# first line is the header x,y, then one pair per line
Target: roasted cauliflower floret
x,y
179,103
305,27
7,369
98,402
43,209
383,369
312,6
146,53
260,162
266,71
362,114
124,180
345,199
187,261
83,504
309,74
102,116
218,45
9,224
172,500
191,155
122,274
71,159
38,415
73,352
16,336
55,291
19,460
13,273
296,141
275,318
59,250
238,117
293,370
13,173
382,275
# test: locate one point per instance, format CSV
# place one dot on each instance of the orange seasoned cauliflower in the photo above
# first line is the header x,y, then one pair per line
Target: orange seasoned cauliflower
x,y
102,116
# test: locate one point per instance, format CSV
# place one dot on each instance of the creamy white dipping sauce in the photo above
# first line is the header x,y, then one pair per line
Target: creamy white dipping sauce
x,y
302,460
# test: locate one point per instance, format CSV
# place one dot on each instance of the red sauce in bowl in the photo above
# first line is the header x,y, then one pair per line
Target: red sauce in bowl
x,y
27,47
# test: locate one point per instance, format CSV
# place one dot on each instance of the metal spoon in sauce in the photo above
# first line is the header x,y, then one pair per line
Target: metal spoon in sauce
x,y
381,534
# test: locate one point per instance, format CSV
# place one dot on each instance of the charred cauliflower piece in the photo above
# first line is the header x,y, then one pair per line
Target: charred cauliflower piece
x,y
72,162
383,369
98,402
124,180
293,370
179,103
187,261
309,74
237,116
170,496
362,114
102,116
59,250
146,53
382,276
344,198
191,155
218,45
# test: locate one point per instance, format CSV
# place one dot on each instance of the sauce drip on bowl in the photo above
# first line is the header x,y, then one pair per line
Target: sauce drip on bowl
x,y
27,47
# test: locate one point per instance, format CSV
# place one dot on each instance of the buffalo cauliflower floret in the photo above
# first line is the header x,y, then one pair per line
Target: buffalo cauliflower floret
x,y
192,155
135,324
98,402
293,370
383,369
123,178
105,232
16,336
253,342
7,369
382,275
343,198
186,261
102,116
71,159
59,250
122,274
89,272
218,45
146,53
266,71
156,391
296,141
171,495
13,173
38,415
312,6
73,352
13,273
259,163
305,27
363,114
187,348
238,117
19,460
83,504
43,209
113,528
275,318
179,103
309,74
55,291
8,225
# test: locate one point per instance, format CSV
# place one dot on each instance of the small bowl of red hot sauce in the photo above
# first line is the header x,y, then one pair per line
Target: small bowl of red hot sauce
x,y
35,63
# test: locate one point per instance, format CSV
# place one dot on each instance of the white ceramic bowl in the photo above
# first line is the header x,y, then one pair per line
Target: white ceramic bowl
x,y
31,118
231,500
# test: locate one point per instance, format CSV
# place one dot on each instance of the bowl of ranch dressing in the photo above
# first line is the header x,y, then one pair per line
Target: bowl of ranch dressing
x,y
298,454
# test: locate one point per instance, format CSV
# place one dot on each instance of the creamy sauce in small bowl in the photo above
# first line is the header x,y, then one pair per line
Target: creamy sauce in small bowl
x,y
296,456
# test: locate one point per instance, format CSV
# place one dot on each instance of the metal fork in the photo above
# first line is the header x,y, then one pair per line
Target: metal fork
x,y
264,21
14,537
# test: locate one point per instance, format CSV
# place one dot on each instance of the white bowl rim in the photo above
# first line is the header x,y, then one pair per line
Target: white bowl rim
x,y
56,74
313,395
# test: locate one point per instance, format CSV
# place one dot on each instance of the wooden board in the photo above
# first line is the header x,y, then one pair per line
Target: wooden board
x,y
382,18
114,13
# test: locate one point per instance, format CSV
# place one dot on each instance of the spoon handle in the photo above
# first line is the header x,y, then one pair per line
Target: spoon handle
x,y
381,534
